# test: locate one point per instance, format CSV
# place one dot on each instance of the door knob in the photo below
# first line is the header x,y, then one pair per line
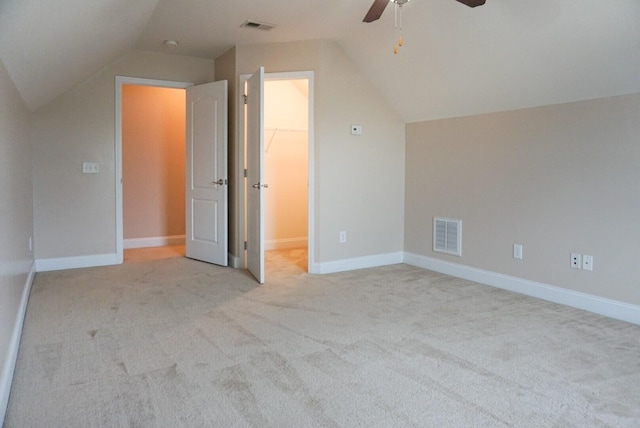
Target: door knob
x,y
220,182
258,185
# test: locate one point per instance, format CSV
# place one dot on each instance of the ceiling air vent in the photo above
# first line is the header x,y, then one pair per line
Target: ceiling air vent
x,y
264,26
447,236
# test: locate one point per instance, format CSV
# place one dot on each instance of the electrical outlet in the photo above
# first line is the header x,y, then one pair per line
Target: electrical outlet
x,y
343,236
517,251
575,261
356,130
587,262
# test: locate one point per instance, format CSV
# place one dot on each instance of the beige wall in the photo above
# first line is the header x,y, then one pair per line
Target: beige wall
x,y
286,120
153,161
16,220
75,212
556,179
359,181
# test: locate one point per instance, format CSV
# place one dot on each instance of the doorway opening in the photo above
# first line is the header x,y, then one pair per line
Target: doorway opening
x,y
153,166
287,132
286,163
150,164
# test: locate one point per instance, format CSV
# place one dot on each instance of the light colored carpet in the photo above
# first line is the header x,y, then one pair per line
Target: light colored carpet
x,y
174,342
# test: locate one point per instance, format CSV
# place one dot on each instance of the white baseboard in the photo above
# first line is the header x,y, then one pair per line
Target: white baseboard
x,y
357,263
6,375
234,261
154,241
45,265
588,302
282,244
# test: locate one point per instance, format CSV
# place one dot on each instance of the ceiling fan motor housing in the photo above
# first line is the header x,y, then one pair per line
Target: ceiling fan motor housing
x,y
473,3
378,7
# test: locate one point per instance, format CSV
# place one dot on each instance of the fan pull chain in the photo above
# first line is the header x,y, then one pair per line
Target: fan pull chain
x,y
398,20
398,25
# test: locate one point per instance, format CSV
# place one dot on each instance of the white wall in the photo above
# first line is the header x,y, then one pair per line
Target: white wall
x,y
359,181
16,226
556,179
75,212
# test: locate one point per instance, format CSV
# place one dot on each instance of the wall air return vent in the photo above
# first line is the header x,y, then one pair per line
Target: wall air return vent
x,y
447,236
264,26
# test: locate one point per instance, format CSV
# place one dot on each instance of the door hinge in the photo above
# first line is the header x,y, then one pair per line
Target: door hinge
x,y
245,172
244,98
245,245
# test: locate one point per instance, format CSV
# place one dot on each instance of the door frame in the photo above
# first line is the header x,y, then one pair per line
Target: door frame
x,y
242,163
120,81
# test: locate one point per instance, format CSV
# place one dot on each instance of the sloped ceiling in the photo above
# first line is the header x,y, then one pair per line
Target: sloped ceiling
x,y
50,46
507,54
455,60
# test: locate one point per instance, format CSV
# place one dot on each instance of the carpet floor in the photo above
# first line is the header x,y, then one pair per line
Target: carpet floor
x,y
172,342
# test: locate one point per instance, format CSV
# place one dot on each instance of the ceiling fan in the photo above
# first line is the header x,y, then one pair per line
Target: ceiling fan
x,y
378,6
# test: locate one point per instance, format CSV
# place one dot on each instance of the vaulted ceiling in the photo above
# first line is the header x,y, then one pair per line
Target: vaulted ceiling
x,y
455,60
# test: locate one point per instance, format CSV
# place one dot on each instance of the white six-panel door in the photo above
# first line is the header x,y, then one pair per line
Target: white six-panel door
x,y
206,169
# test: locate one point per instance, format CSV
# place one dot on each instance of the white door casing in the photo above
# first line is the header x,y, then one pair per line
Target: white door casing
x,y
206,173
255,175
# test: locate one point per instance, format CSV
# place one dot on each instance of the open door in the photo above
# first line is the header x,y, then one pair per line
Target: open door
x,y
207,190
255,175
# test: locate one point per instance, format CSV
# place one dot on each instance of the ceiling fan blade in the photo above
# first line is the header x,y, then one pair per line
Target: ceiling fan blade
x,y
472,3
375,12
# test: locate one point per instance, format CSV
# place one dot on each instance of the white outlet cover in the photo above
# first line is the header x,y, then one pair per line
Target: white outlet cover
x,y
517,251
576,261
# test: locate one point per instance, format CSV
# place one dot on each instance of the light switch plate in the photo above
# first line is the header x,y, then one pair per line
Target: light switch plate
x,y
90,167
